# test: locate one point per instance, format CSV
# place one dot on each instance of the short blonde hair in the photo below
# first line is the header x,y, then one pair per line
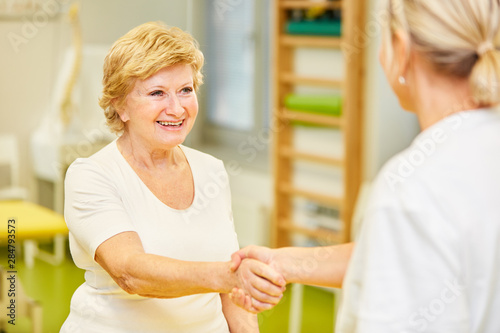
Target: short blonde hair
x,y
139,54
460,38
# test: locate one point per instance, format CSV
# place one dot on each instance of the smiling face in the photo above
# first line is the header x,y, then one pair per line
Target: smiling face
x,y
160,111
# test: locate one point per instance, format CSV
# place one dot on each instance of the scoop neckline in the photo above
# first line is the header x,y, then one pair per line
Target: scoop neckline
x,y
190,164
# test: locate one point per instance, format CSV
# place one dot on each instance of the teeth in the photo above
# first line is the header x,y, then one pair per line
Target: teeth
x,y
167,123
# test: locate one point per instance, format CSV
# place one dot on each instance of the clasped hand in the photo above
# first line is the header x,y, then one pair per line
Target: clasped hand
x,y
261,279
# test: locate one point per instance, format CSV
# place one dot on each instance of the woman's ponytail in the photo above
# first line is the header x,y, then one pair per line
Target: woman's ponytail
x,y
485,75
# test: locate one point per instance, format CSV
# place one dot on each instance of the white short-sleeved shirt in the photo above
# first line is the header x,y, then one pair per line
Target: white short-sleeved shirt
x,y
428,256
104,197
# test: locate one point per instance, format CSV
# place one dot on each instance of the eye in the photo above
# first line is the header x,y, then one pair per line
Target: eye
x,y
157,93
187,90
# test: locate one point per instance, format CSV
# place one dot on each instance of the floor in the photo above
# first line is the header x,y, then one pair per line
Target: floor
x,y
53,287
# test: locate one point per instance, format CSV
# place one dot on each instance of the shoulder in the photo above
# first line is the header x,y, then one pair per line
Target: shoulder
x,y
447,152
102,164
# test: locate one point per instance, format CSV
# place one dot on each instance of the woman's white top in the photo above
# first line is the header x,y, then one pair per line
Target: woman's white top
x,y
428,256
104,197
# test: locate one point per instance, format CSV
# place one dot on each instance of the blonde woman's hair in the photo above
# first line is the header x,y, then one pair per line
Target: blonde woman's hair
x,y
460,38
139,54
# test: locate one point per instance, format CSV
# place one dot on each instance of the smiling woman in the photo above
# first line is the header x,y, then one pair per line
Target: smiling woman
x,y
154,260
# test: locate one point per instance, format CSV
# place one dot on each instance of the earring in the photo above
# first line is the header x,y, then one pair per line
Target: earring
x,y
402,80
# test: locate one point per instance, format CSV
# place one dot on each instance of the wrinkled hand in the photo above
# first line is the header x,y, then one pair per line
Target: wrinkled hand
x,y
247,300
260,283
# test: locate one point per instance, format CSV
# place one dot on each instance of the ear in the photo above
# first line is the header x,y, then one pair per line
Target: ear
x,y
119,107
401,47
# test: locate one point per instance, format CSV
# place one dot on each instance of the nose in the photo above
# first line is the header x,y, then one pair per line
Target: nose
x,y
173,106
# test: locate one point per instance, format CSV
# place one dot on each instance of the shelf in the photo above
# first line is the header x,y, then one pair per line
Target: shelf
x,y
349,121
310,41
317,197
300,4
320,234
294,154
314,119
313,81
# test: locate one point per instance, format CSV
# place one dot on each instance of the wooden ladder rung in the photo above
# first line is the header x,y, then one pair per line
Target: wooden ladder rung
x,y
298,4
314,196
313,81
310,41
294,154
322,234
311,118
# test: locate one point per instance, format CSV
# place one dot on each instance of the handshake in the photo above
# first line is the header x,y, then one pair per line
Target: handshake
x,y
263,278
263,273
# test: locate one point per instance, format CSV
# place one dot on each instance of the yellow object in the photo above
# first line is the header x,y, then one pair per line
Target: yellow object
x,y
315,12
31,220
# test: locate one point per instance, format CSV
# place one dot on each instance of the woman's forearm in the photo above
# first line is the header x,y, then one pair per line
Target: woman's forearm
x,y
321,266
156,276
137,272
238,319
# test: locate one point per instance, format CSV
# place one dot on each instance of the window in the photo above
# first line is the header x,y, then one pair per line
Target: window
x,y
237,81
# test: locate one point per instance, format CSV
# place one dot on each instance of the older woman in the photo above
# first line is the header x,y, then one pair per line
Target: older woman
x,y
150,220
428,256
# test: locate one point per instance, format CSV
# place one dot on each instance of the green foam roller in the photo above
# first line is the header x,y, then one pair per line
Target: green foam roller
x,y
320,104
315,28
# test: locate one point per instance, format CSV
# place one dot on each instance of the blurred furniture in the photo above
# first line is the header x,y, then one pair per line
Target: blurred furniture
x,y
34,223
73,124
25,306
52,159
9,158
295,319
349,122
288,81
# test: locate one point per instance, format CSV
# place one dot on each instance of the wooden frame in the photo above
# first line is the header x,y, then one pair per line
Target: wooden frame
x,y
350,123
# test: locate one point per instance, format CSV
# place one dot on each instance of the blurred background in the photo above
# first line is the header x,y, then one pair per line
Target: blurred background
x,y
263,57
